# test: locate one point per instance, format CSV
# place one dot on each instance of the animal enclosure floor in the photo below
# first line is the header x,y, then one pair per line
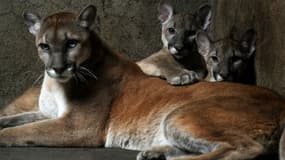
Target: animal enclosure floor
x,y
41,153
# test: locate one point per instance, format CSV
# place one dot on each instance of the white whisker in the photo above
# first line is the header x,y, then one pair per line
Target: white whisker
x,y
38,79
81,77
88,72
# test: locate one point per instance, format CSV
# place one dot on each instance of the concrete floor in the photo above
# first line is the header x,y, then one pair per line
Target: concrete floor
x,y
40,153
43,153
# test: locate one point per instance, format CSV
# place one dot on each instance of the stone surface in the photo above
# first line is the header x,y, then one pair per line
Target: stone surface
x,y
65,154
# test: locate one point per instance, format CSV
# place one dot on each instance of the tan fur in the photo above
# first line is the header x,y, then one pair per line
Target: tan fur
x,y
157,64
178,61
229,59
26,102
127,109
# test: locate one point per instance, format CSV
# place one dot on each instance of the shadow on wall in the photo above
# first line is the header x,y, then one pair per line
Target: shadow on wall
x,y
131,27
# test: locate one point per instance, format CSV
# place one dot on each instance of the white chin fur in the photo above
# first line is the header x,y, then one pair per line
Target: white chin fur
x,y
172,50
63,78
51,73
212,79
219,78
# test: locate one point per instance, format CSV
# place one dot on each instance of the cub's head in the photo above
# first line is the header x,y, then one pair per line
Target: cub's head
x,y
227,59
62,40
179,30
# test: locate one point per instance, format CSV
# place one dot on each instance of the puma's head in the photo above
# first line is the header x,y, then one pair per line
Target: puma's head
x,y
179,30
227,59
62,40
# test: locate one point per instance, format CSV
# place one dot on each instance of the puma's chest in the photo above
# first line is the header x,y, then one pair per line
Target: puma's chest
x,y
52,100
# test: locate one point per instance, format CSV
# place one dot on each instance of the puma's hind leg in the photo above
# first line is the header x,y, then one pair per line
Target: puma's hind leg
x,y
160,153
187,131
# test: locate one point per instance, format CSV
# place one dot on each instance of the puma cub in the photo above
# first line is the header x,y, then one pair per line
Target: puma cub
x,y
229,59
178,61
92,96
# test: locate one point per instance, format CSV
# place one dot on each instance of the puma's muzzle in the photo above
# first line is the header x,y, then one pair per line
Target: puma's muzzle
x,y
62,73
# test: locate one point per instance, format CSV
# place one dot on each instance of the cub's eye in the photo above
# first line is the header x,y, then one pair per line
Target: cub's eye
x,y
44,46
235,59
71,43
171,30
192,32
214,59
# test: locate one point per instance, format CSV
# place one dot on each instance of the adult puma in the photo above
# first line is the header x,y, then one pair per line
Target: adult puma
x,y
121,108
229,59
26,102
178,61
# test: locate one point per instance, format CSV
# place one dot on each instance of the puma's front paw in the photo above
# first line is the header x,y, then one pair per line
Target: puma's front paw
x,y
183,78
3,123
151,155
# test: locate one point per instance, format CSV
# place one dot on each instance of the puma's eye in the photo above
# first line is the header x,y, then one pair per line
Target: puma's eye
x,y
44,46
71,43
171,30
214,59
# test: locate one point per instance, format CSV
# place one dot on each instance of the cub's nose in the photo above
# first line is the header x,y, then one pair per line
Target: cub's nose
x,y
224,74
59,70
178,47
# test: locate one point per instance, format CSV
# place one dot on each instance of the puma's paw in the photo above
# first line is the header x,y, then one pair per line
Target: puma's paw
x,y
185,77
150,155
3,123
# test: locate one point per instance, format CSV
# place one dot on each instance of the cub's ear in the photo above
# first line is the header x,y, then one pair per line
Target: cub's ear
x,y
87,16
204,16
203,43
33,21
248,43
165,13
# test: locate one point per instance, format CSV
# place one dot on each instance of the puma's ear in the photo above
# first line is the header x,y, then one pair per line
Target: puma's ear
x,y
203,43
248,42
33,21
204,16
87,16
165,13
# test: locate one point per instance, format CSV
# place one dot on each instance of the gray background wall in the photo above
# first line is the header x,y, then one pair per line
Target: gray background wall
x,y
131,28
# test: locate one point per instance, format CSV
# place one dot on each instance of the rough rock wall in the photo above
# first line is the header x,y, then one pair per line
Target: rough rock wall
x,y
129,26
